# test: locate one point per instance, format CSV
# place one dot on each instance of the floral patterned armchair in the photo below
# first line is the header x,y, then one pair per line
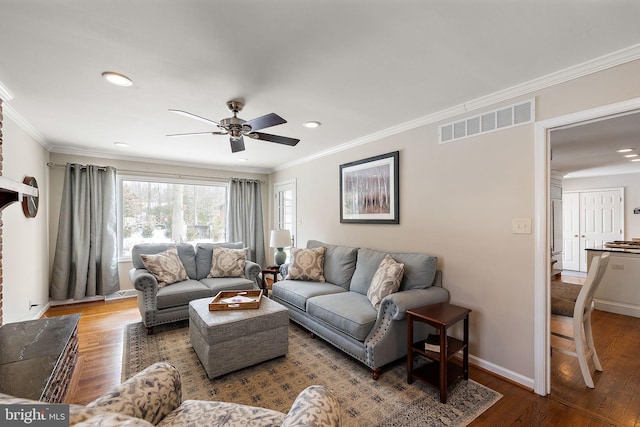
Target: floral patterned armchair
x,y
154,397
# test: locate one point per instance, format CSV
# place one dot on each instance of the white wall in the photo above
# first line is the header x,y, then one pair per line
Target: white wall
x,y
457,202
25,255
631,185
57,181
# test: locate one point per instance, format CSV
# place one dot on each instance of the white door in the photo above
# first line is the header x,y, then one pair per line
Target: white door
x,y
590,219
571,231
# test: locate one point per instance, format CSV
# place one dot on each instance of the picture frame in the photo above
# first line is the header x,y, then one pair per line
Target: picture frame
x,y
369,190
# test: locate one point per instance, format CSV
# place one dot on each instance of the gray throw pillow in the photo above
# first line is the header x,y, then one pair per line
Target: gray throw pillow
x,y
307,264
386,280
165,266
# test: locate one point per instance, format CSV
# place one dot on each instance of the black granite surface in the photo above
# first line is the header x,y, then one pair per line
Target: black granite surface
x,y
30,352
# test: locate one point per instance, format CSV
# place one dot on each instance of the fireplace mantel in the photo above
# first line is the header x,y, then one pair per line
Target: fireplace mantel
x,y
12,191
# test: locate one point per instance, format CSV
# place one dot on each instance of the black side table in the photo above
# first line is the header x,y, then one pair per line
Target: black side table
x,y
274,270
442,371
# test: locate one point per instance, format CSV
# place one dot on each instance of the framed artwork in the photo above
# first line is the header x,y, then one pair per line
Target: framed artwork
x,y
369,190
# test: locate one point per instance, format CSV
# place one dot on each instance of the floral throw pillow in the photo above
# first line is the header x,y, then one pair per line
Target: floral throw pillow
x,y
307,264
386,280
228,262
165,266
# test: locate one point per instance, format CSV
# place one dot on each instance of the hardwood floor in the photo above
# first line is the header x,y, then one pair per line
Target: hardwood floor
x,y
614,402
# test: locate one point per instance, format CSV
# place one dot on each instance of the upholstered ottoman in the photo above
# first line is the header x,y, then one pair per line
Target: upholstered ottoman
x,y
228,340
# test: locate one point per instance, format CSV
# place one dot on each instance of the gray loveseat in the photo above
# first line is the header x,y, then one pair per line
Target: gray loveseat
x,y
339,311
170,303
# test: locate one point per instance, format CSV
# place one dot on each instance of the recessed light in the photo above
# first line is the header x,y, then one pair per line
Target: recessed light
x,y
243,159
635,160
117,78
625,150
630,155
311,124
121,144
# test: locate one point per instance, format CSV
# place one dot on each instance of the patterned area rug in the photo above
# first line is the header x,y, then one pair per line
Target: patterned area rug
x,y
388,402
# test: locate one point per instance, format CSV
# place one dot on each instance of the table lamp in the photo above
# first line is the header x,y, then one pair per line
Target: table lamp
x,y
280,239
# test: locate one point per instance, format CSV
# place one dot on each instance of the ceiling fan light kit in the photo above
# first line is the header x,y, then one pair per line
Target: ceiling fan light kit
x,y
238,128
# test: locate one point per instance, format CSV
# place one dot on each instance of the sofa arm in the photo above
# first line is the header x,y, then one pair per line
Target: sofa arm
x,y
251,272
143,280
150,395
315,406
284,270
400,302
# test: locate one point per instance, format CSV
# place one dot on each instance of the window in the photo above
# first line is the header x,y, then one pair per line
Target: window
x,y
155,211
285,208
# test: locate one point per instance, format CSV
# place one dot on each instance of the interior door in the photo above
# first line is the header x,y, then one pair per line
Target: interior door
x,y
571,231
590,219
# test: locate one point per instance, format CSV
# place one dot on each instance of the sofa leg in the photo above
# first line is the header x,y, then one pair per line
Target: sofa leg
x,y
150,331
375,374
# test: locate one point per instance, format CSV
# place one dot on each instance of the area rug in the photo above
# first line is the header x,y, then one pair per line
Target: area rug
x,y
388,402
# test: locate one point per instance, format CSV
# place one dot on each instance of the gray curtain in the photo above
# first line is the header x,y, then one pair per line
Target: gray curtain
x,y
244,216
85,262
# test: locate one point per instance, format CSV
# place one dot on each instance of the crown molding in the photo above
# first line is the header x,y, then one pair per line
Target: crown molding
x,y
5,94
619,57
23,124
102,155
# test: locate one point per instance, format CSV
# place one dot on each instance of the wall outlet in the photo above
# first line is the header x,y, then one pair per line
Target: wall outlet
x,y
636,211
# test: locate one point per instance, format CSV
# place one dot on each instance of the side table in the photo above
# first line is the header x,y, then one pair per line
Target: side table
x,y
442,371
274,270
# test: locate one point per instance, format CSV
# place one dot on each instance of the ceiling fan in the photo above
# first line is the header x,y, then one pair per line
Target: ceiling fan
x,y
237,128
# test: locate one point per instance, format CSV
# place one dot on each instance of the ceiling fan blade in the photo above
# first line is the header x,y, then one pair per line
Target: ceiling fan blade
x,y
265,121
237,144
193,116
198,133
276,138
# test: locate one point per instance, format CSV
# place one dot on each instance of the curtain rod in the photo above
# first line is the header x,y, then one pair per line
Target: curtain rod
x,y
166,174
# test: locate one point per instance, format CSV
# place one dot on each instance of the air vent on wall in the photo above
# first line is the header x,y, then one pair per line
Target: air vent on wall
x,y
502,118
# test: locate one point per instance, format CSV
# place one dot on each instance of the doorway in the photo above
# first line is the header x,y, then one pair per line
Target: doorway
x,y
542,177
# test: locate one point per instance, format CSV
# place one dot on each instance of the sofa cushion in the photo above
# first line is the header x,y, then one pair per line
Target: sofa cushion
x,y
227,284
228,262
181,293
419,269
307,264
204,255
386,280
206,413
349,312
339,262
186,252
297,292
165,266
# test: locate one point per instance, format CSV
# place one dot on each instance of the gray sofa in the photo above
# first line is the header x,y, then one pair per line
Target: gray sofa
x,y
339,311
170,303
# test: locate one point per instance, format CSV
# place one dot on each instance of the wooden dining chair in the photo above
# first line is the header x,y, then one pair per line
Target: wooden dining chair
x,y
577,315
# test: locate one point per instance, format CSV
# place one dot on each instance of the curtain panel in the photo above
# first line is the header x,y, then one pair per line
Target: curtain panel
x,y
85,262
244,216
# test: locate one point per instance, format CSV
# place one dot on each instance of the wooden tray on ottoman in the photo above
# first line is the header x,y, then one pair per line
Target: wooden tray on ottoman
x,y
226,300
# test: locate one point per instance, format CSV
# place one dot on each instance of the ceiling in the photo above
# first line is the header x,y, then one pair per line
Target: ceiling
x,y
591,149
359,67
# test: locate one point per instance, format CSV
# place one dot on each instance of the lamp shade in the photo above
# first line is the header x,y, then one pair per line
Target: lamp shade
x,y
280,239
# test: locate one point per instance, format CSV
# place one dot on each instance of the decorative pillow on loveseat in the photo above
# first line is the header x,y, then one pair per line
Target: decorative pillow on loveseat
x,y
165,266
386,280
228,262
307,264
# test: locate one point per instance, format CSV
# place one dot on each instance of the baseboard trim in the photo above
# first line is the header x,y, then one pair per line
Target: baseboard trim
x,y
501,372
617,307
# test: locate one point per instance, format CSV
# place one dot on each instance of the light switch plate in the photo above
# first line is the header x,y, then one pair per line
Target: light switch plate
x,y
521,225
